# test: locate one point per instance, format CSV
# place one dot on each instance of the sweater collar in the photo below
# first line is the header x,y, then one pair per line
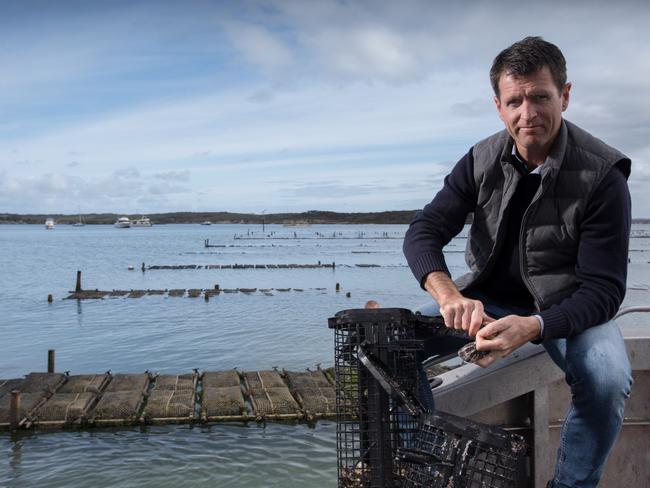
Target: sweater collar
x,y
552,162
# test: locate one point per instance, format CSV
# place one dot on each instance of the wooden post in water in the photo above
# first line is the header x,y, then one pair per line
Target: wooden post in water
x,y
338,287
78,287
50,298
50,360
143,268
14,408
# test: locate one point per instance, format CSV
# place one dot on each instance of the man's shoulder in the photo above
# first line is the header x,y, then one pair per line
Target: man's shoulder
x,y
584,142
490,149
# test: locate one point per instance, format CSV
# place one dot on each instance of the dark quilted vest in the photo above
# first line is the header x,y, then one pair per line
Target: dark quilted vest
x,y
551,225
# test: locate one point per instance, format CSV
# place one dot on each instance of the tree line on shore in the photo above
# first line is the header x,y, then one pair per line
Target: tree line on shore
x,y
309,217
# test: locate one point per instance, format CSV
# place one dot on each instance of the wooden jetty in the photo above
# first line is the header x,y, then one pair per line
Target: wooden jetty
x,y
57,400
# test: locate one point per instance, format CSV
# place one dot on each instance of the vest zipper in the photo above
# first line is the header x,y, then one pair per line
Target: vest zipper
x,y
524,275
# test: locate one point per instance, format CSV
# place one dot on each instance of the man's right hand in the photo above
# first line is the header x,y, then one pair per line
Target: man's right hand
x,y
459,312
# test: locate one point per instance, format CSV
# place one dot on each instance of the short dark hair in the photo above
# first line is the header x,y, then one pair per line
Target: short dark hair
x,y
526,57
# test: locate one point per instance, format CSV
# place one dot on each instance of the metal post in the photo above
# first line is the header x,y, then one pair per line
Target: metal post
x,y
50,361
78,287
14,408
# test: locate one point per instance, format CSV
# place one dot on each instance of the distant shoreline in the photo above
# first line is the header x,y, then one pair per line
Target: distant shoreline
x,y
303,218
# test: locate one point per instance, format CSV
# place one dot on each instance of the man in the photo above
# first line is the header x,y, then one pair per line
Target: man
x,y
547,250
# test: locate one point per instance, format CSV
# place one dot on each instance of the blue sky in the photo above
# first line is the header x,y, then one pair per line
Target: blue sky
x,y
245,106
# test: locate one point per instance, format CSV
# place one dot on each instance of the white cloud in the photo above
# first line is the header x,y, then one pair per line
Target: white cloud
x,y
259,45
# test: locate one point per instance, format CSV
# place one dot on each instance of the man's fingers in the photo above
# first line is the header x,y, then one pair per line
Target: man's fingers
x,y
476,320
487,319
490,330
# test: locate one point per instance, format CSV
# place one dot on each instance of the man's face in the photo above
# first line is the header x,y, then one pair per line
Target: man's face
x,y
531,109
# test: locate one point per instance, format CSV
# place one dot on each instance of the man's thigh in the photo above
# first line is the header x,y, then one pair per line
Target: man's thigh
x,y
597,352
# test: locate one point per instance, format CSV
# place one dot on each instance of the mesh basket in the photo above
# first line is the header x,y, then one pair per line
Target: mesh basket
x,y
370,427
453,452
384,437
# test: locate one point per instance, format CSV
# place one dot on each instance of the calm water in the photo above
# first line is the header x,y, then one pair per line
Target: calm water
x,y
175,335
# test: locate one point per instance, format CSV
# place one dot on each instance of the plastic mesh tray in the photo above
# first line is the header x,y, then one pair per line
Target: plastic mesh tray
x,y
46,382
176,382
170,404
270,396
65,407
453,452
93,383
118,406
28,401
125,382
6,386
220,379
223,402
314,392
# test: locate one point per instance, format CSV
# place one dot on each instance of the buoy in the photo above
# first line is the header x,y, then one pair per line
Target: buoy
x,y
130,268
348,294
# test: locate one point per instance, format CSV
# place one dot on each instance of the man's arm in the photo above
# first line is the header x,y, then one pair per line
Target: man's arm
x,y
431,229
601,267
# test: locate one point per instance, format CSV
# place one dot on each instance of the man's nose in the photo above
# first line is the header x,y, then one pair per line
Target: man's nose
x,y
528,111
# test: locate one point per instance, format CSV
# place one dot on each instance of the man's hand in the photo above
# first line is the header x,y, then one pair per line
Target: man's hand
x,y
502,337
458,311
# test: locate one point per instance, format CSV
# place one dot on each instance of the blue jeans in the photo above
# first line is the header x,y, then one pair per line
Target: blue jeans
x,y
598,372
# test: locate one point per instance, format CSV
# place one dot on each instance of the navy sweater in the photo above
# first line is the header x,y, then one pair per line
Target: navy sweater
x,y
601,267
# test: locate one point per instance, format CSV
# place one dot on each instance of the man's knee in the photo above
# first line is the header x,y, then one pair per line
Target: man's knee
x,y
601,373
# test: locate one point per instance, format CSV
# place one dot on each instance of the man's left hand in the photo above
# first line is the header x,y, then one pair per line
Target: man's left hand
x,y
504,336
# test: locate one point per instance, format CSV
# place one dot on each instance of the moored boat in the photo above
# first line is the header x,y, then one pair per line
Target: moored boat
x,y
142,222
123,223
49,223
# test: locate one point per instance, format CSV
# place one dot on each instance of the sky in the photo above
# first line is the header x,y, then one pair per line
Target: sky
x,y
289,105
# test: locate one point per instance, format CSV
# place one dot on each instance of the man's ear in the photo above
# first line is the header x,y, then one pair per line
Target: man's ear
x,y
565,96
497,103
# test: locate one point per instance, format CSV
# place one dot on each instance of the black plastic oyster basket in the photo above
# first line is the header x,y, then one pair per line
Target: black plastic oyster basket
x,y
384,437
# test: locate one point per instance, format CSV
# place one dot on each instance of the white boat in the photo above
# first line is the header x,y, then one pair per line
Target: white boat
x,y
80,223
49,224
123,223
206,222
141,222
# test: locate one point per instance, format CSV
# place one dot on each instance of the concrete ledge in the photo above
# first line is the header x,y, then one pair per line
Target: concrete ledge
x,y
470,389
